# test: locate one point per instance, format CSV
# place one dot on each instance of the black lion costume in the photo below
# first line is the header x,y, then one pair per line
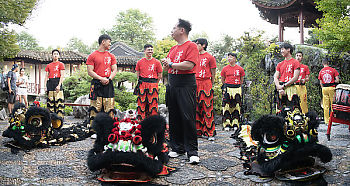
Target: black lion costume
x,y
128,151
286,142
37,127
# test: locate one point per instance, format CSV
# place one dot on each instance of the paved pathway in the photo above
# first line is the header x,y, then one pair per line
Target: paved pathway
x,y
66,164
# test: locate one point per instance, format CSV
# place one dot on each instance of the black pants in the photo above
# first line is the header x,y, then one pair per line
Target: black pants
x,y
181,102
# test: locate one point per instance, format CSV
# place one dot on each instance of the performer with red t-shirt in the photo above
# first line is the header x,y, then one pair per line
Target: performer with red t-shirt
x,y
205,75
328,77
149,72
181,62
232,78
287,73
102,67
300,83
53,84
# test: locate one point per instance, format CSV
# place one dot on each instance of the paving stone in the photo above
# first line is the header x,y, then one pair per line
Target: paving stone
x,y
184,176
236,153
8,156
337,152
213,147
11,171
50,171
48,156
81,154
217,163
218,183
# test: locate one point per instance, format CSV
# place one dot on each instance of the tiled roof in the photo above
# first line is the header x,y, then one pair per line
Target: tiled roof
x,y
125,55
273,4
289,11
46,57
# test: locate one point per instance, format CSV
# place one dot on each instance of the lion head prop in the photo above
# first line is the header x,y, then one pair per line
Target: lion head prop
x,y
36,126
128,151
285,144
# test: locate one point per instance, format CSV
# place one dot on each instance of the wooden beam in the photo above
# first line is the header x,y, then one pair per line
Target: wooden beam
x,y
280,28
39,88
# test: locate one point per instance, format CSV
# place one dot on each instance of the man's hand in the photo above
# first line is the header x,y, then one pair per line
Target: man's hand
x,y
166,61
10,90
279,87
104,81
58,88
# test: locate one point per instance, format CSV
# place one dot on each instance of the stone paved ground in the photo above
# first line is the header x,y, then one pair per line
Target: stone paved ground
x,y
66,165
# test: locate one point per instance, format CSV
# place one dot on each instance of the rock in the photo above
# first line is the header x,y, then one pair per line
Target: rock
x,y
81,112
3,114
163,111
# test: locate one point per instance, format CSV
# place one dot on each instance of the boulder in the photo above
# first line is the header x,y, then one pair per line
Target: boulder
x,y
79,111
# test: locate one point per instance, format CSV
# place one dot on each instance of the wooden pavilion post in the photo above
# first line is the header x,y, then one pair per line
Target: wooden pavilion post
x,y
39,88
301,26
280,28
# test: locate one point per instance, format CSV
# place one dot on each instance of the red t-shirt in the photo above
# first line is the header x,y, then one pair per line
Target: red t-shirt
x,y
232,74
206,63
327,75
149,68
54,69
185,52
304,70
102,62
287,68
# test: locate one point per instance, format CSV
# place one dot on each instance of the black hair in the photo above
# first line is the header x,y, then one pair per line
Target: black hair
x,y
288,46
299,52
202,41
56,50
232,54
186,25
147,46
103,37
325,61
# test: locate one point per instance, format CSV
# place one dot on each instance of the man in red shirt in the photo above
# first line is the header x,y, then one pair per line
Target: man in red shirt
x,y
232,76
300,83
328,77
181,62
287,73
53,84
149,72
102,67
205,75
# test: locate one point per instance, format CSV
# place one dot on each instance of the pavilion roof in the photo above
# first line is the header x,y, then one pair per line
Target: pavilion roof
x,y
125,55
46,56
289,10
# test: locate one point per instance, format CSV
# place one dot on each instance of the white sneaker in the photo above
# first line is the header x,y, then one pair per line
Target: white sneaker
x,y
194,160
173,154
94,136
211,138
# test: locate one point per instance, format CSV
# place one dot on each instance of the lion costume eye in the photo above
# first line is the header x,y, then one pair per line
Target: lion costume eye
x,y
270,139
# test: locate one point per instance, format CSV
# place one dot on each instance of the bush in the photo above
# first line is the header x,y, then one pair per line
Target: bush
x,y
77,84
68,110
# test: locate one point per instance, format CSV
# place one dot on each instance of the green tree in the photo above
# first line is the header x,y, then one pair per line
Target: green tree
x,y
133,28
26,41
162,47
77,84
77,45
334,27
199,35
121,77
12,12
220,48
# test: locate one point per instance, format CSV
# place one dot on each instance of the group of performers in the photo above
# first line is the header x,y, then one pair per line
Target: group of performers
x,y
189,95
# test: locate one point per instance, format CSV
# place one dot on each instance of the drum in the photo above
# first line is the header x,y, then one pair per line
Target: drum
x,y
341,102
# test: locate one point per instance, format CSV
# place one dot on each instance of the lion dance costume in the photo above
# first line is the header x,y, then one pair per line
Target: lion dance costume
x,y
55,99
286,145
147,100
128,151
232,95
205,104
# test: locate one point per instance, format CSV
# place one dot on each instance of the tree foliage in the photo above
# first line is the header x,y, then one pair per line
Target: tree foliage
x,y
334,27
12,12
132,27
76,85
77,45
220,48
26,41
